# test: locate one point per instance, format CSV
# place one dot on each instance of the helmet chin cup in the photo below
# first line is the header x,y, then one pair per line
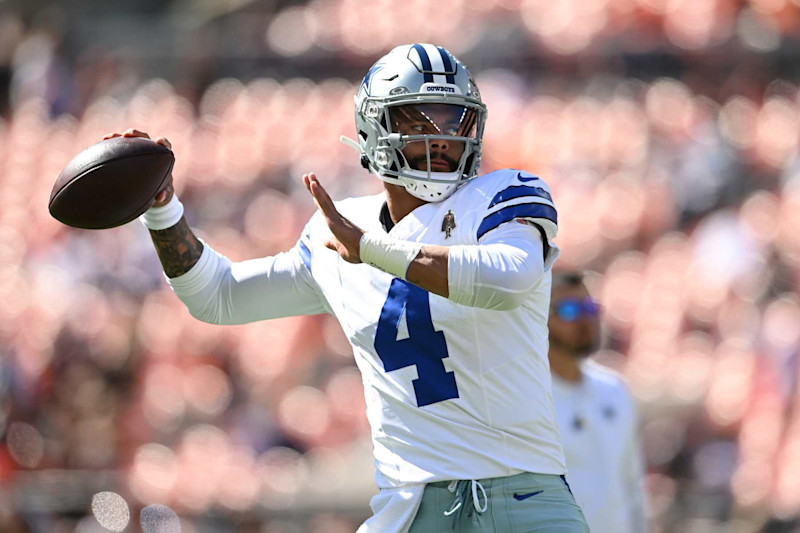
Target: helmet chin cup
x,y
418,185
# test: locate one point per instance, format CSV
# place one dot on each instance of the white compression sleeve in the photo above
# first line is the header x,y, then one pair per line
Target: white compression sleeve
x,y
218,291
498,273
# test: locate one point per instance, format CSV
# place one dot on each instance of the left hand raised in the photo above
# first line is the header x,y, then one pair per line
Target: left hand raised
x,y
346,235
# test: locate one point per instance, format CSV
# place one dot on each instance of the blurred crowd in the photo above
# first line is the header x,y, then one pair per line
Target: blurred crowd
x,y
668,130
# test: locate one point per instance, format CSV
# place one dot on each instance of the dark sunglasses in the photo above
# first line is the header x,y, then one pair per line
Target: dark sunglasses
x,y
571,309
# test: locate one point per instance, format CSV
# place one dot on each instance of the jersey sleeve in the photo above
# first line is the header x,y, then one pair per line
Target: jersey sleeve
x,y
219,291
500,272
519,196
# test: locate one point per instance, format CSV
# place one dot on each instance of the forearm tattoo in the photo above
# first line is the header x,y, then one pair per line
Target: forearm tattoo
x,y
177,247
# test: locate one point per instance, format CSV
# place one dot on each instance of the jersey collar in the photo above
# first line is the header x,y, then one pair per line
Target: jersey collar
x,y
386,218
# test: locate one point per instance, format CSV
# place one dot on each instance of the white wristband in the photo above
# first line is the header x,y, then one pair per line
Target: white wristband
x,y
166,216
390,255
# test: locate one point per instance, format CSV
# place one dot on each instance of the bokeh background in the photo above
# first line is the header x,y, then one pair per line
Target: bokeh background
x,y
668,130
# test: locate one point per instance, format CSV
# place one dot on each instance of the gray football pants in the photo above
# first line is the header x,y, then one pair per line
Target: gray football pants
x,y
523,503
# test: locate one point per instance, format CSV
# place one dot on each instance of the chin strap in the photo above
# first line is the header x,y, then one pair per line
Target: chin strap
x,y
350,142
355,146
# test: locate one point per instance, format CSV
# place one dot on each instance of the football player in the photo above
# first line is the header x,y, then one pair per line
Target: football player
x,y
596,415
442,286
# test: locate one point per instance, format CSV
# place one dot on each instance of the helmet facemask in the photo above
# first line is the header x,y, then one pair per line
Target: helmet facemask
x,y
425,145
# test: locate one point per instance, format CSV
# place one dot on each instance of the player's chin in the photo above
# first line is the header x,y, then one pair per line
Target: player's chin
x,y
584,349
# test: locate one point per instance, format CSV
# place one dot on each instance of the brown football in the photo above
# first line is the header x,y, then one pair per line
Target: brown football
x,y
111,183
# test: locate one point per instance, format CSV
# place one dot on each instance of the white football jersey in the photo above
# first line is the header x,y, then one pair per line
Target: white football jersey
x,y
597,419
452,392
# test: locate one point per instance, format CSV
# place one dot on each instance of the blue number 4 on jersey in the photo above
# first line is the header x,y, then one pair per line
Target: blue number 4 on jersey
x,y
425,347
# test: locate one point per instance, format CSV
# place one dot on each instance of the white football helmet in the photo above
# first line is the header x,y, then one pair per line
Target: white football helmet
x,y
422,94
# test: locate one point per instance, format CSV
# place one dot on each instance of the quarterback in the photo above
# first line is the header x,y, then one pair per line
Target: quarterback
x,y
442,286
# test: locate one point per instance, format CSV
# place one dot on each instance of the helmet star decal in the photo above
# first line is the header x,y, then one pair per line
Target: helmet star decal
x,y
366,83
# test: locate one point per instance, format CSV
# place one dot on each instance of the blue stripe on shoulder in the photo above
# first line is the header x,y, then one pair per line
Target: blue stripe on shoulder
x,y
305,254
518,191
508,214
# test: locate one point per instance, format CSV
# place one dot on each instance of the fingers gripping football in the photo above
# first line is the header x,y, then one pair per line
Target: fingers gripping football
x,y
112,182
165,195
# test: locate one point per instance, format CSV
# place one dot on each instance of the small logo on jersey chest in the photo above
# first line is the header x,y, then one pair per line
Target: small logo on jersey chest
x,y
448,223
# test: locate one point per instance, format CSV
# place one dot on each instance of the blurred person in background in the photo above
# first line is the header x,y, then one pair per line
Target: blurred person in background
x,y
455,286
596,415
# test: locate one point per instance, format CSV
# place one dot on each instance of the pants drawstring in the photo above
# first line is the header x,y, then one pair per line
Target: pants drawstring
x,y
461,488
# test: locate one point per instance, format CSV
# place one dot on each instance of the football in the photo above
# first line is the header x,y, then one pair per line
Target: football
x,y
111,183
